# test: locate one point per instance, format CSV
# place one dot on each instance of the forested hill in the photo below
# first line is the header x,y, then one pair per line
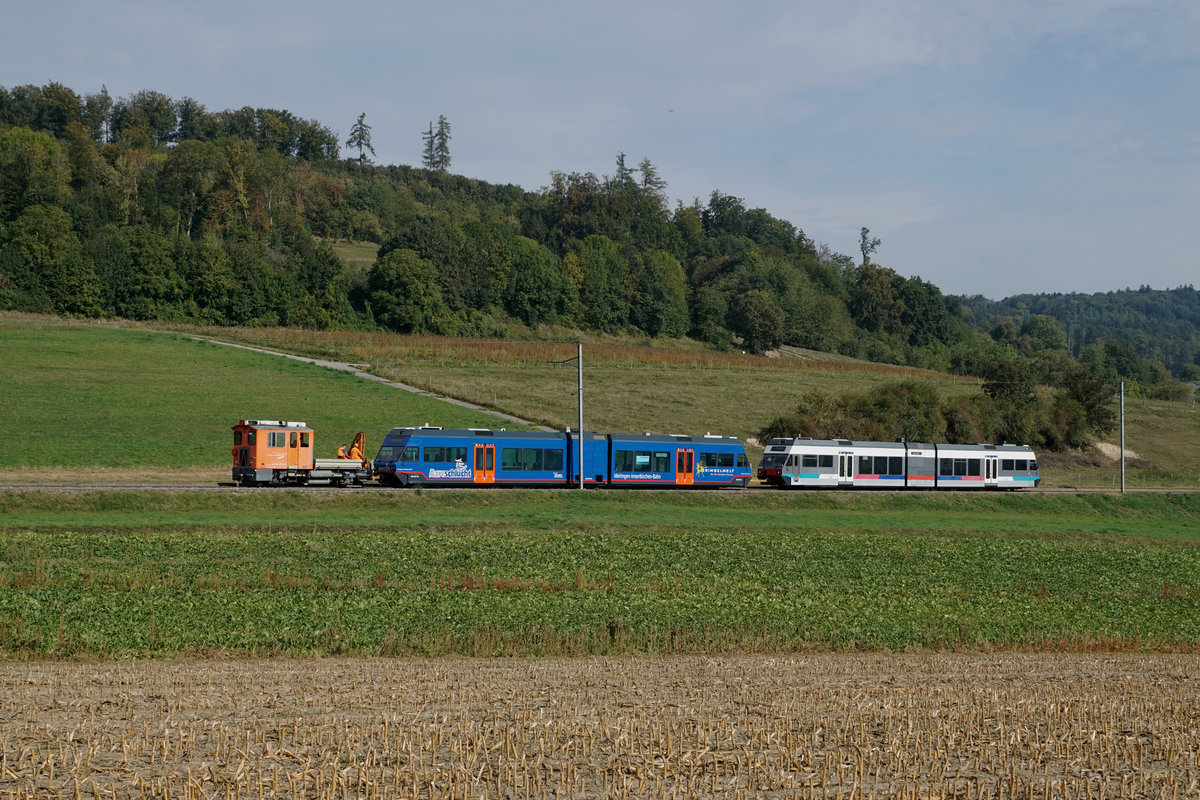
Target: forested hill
x,y
1156,324
149,207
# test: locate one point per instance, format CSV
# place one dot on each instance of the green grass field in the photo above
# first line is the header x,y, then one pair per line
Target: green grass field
x,y
539,572
91,400
87,399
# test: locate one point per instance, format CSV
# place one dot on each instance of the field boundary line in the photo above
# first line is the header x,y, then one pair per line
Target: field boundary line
x,y
354,370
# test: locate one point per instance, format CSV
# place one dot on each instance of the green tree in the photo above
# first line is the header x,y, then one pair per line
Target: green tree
x,y
661,305
868,244
360,139
758,320
1009,383
43,237
602,291
441,144
533,286
429,148
33,171
403,294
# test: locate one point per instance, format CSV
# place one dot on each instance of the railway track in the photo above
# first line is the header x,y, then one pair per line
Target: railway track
x,y
232,487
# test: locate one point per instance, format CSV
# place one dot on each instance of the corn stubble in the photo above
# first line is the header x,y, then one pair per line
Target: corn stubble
x,y
820,726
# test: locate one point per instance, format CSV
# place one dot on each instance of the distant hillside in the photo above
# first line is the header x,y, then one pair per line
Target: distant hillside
x,y
1157,324
151,208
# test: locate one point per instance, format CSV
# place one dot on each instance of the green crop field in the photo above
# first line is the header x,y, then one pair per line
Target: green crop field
x,y
93,401
541,572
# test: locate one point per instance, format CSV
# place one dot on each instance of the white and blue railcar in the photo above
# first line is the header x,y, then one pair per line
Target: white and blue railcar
x,y
845,464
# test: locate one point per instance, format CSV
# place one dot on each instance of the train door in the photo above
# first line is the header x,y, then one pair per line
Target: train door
x,y
845,469
485,463
685,467
990,463
293,451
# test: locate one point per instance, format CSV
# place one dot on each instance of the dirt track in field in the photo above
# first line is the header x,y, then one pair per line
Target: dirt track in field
x,y
828,725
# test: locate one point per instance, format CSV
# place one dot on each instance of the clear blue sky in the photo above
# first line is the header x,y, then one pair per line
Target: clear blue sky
x,y
996,147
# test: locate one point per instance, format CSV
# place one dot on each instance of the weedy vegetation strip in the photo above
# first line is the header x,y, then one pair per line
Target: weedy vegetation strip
x,y
544,573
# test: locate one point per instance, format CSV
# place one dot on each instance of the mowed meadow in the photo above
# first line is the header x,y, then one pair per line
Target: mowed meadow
x,y
93,402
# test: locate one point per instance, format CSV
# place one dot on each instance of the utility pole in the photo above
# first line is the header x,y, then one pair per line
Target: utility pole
x,y
578,359
1122,437
579,362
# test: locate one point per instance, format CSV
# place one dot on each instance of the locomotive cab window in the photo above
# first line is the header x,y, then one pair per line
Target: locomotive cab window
x,y
237,438
251,437
304,440
276,439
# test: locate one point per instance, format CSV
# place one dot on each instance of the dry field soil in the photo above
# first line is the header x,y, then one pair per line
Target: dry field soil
x,y
813,726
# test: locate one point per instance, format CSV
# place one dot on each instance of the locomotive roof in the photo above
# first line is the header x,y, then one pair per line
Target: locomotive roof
x,y
273,423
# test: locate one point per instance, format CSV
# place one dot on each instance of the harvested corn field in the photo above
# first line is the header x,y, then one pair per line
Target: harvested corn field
x,y
813,726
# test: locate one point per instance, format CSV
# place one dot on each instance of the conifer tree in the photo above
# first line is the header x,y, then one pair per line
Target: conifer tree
x,y
429,153
441,144
360,138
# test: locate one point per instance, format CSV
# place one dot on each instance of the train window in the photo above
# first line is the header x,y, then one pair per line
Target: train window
x,y
865,466
1006,464
237,438
251,437
826,462
957,466
410,453
293,441
973,466
810,459
1033,466
276,439
641,461
304,442
530,459
1022,464
895,465
743,460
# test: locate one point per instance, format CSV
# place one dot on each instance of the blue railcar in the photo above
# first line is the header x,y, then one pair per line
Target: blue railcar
x,y
704,461
480,457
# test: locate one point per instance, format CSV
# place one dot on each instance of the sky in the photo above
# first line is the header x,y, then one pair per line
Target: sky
x,y
995,147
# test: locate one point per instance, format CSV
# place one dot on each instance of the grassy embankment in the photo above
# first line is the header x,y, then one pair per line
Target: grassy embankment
x,y
95,402
677,388
532,573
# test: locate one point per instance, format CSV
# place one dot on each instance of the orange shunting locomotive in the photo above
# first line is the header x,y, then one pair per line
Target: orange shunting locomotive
x,y
279,453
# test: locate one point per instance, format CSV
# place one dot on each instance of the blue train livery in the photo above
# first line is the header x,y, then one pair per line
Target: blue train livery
x,y
480,457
